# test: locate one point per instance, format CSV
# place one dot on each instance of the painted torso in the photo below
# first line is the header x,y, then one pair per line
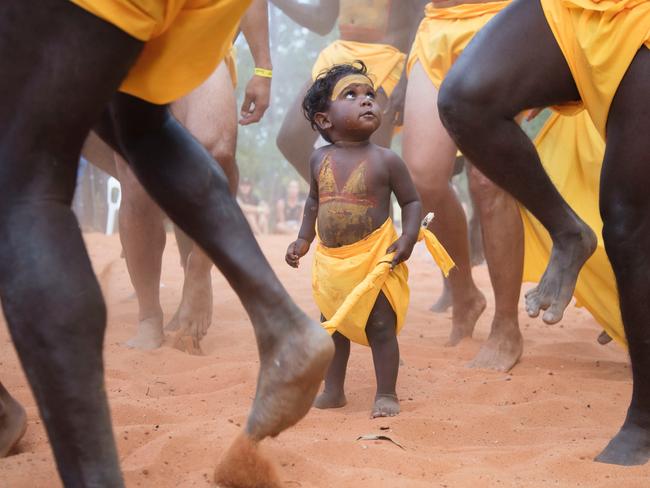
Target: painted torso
x,y
353,195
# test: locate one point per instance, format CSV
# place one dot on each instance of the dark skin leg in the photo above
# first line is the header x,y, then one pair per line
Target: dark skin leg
x,y
333,395
13,422
192,190
45,119
478,102
536,75
385,354
624,203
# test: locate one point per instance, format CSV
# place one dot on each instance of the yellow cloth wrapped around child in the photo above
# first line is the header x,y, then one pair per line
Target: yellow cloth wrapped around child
x,y
185,40
346,280
599,39
572,152
385,63
445,32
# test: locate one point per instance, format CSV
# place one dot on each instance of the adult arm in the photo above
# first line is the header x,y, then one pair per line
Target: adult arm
x,y
319,17
255,27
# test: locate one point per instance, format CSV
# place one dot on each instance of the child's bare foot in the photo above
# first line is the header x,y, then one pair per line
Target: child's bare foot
x,y
13,422
502,349
329,399
291,371
556,287
386,405
464,317
149,335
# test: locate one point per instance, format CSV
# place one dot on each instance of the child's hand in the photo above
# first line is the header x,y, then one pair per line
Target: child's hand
x,y
402,247
295,251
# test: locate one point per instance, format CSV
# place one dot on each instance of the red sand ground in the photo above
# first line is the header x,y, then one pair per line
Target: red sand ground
x,y
174,415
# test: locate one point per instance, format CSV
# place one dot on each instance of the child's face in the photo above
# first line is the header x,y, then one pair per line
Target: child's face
x,y
354,114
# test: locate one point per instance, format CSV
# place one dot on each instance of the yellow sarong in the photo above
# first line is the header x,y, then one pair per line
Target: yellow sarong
x,y
445,32
572,152
598,38
385,63
185,40
346,280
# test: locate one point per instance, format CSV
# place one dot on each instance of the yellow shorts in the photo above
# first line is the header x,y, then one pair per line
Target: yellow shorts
x,y
184,40
445,32
599,39
385,63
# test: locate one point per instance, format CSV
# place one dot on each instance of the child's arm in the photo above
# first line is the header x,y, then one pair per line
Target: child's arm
x,y
307,233
408,198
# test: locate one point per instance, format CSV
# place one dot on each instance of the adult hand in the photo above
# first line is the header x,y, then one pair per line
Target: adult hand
x,y
256,100
402,247
295,251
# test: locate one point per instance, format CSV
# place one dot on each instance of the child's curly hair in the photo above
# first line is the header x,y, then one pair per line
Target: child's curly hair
x,y
318,96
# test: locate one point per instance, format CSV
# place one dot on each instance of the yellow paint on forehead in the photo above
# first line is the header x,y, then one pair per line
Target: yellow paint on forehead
x,y
348,80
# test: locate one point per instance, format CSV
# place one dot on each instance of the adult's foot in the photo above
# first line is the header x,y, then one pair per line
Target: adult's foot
x,y
149,334
464,317
13,422
502,349
555,290
445,301
386,405
244,467
630,447
330,399
194,312
291,371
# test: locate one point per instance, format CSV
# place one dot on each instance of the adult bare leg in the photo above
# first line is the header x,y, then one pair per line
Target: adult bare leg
x,y
296,138
143,239
624,202
503,241
429,154
13,422
184,180
60,66
209,113
481,96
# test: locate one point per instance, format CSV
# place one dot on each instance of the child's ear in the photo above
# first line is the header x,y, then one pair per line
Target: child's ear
x,y
322,121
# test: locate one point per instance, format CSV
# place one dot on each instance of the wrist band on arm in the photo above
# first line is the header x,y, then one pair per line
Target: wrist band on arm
x,y
264,73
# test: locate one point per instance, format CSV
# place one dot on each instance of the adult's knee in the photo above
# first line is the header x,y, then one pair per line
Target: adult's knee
x,y
485,193
465,103
623,234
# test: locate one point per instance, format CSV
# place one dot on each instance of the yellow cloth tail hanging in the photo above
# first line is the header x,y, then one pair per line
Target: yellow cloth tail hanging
x,y
572,152
347,280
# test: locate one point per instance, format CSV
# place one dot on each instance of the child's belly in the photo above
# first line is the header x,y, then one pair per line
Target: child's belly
x,y
342,223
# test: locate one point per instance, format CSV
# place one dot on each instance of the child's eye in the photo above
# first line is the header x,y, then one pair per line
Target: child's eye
x,y
371,94
350,94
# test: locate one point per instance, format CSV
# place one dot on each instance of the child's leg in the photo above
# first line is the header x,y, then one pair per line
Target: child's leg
x,y
333,395
385,354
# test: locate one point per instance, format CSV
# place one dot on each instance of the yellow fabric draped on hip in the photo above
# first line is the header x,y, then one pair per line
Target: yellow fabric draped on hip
x,y
445,32
385,63
346,280
185,40
598,39
572,152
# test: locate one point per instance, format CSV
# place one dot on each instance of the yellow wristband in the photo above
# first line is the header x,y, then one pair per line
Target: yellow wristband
x,y
264,73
